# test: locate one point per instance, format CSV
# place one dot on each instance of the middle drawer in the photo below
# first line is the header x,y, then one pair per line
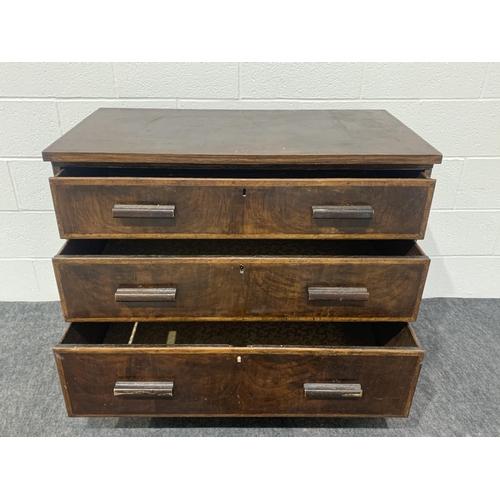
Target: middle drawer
x,y
137,280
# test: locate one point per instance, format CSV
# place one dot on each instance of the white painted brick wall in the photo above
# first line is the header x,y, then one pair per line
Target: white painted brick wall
x,y
173,80
492,84
7,195
31,181
29,234
461,128
424,80
480,184
456,232
454,106
56,80
26,127
301,80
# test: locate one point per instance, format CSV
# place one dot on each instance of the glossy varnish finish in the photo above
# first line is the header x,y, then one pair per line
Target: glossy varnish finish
x,y
242,208
239,137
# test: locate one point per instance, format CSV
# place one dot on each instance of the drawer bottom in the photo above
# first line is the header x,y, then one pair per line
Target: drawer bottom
x,y
239,369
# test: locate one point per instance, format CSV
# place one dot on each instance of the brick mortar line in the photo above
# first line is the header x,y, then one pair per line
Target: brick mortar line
x,y
239,81
363,81
20,158
59,119
37,281
344,99
462,170
14,187
485,81
485,256
25,258
248,99
465,210
496,244
115,87
26,211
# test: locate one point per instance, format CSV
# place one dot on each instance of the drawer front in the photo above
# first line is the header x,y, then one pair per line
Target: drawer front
x,y
139,289
235,382
273,208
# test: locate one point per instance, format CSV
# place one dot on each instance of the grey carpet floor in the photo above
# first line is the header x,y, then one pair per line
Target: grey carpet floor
x,y
458,393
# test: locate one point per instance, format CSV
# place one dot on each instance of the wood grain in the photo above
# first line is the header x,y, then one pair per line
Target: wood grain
x,y
248,381
218,287
241,137
243,208
231,324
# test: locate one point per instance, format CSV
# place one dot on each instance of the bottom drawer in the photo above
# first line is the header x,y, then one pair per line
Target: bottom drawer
x,y
239,369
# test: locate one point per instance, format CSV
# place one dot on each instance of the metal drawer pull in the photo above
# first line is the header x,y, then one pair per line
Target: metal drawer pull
x,y
145,294
342,212
144,211
337,293
144,389
332,391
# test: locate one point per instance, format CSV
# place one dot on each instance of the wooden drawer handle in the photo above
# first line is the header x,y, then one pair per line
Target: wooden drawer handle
x,y
337,293
145,389
342,212
145,294
144,211
332,391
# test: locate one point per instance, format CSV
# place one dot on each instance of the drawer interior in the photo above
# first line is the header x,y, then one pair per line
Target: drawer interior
x,y
221,171
243,334
222,247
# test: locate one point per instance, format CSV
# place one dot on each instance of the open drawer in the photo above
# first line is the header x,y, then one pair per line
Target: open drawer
x,y
127,203
140,280
239,369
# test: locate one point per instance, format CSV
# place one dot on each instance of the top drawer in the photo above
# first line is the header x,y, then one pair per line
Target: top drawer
x,y
142,207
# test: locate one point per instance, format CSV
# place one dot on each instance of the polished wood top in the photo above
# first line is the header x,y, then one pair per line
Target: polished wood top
x,y
327,137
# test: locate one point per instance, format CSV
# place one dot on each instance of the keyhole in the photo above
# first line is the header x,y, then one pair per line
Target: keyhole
x,y
242,268
244,192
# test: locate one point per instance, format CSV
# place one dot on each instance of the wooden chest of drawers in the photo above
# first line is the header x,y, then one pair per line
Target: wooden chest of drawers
x,y
239,263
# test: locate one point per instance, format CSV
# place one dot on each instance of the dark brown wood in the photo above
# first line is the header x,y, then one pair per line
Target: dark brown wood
x,y
342,212
148,294
338,293
242,137
239,381
144,211
242,208
248,287
250,333
125,388
333,391
302,220
86,333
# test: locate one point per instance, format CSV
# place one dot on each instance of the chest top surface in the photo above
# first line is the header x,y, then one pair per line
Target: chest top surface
x,y
124,135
